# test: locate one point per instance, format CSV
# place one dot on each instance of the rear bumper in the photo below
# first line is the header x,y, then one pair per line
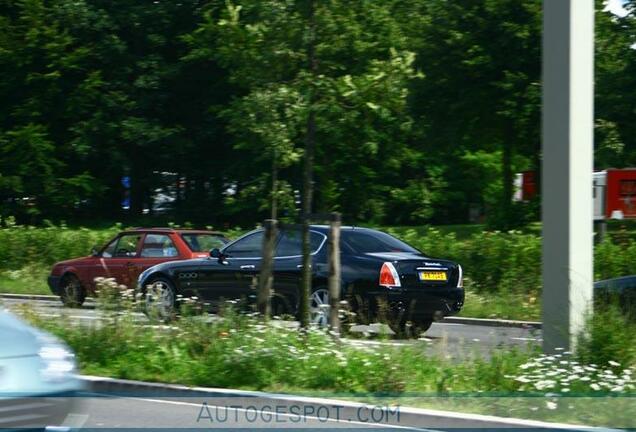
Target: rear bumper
x,y
422,304
54,284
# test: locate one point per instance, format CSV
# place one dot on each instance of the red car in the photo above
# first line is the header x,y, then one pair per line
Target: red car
x,y
126,256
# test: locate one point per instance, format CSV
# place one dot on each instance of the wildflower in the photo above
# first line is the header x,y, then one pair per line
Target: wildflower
x,y
613,363
551,405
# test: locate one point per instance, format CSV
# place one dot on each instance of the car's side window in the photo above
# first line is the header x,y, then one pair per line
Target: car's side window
x,y
127,245
109,250
247,247
158,246
290,243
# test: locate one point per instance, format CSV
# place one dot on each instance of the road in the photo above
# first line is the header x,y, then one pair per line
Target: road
x,y
104,412
449,339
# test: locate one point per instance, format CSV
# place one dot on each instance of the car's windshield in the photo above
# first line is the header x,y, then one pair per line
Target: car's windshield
x,y
373,242
200,242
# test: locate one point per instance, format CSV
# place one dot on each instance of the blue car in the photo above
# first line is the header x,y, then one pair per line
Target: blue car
x,y
37,376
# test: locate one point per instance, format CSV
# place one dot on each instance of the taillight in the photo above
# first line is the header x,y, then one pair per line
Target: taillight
x,y
389,276
460,281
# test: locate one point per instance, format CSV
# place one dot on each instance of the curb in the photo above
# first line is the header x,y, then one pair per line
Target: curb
x,y
29,297
88,304
493,322
452,320
408,417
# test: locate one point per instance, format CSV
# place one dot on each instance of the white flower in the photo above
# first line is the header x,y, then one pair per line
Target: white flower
x,y
613,363
551,405
595,386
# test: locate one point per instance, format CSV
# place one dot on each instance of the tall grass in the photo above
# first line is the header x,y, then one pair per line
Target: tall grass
x,y
502,269
240,351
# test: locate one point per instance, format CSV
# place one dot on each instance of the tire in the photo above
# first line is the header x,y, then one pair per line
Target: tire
x,y
411,329
279,307
319,307
160,303
72,292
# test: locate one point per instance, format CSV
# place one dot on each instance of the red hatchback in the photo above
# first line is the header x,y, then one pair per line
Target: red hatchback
x,y
126,256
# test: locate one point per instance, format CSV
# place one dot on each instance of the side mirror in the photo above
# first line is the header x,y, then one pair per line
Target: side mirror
x,y
220,256
94,251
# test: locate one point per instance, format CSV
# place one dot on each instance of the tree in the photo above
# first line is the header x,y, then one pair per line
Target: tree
x,y
481,91
320,79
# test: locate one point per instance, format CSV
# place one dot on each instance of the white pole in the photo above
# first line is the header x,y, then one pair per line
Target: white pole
x,y
568,119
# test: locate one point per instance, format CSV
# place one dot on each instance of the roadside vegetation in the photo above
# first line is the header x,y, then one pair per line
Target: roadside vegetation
x,y
502,276
240,351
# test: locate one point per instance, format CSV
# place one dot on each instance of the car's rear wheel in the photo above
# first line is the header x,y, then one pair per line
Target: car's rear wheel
x,y
319,307
411,329
72,293
160,299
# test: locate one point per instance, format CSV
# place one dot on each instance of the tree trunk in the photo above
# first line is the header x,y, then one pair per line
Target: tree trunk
x,y
274,198
310,142
334,274
507,178
266,279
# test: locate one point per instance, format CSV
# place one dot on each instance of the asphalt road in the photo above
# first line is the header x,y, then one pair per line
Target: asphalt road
x,y
105,412
449,339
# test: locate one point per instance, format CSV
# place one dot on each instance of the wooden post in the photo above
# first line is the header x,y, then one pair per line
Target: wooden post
x,y
334,273
266,279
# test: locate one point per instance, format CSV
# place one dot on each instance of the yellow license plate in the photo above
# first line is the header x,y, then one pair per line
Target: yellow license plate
x,y
433,276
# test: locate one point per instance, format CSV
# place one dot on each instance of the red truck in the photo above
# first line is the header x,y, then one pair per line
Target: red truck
x,y
614,192
126,256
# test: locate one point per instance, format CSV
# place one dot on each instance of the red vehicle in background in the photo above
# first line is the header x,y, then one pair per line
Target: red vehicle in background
x,y
126,256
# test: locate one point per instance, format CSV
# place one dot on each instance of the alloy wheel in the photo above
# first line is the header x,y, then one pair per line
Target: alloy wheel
x,y
319,307
160,299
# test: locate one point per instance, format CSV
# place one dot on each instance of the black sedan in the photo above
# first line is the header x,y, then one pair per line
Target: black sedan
x,y
382,278
620,291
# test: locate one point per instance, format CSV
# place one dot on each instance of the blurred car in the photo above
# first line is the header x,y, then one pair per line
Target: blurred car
x,y
126,256
37,377
621,291
380,275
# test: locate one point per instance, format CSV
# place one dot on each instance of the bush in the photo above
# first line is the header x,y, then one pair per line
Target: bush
x,y
43,246
240,351
608,337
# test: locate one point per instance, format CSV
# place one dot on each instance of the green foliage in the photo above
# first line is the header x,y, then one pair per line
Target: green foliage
x,y
608,337
38,247
239,351
424,109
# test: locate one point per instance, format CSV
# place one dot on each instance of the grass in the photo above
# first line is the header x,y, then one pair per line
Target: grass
x,y
29,280
502,270
240,351
503,305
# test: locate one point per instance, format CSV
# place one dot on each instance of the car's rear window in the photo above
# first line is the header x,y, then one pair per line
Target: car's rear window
x,y
200,242
373,242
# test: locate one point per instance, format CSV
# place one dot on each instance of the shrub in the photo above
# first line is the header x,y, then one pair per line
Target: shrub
x,y
608,337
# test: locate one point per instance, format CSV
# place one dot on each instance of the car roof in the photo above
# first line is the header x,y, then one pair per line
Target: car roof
x,y
173,230
615,281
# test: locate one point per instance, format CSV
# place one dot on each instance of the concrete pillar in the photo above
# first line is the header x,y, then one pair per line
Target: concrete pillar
x,y
568,118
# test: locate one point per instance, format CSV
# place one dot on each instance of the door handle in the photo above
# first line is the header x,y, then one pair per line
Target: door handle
x,y
248,266
301,266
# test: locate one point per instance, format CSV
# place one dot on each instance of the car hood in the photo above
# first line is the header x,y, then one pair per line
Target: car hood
x,y
18,339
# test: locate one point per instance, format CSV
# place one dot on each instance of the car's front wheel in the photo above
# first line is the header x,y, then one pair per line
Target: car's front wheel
x,y
160,298
72,293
